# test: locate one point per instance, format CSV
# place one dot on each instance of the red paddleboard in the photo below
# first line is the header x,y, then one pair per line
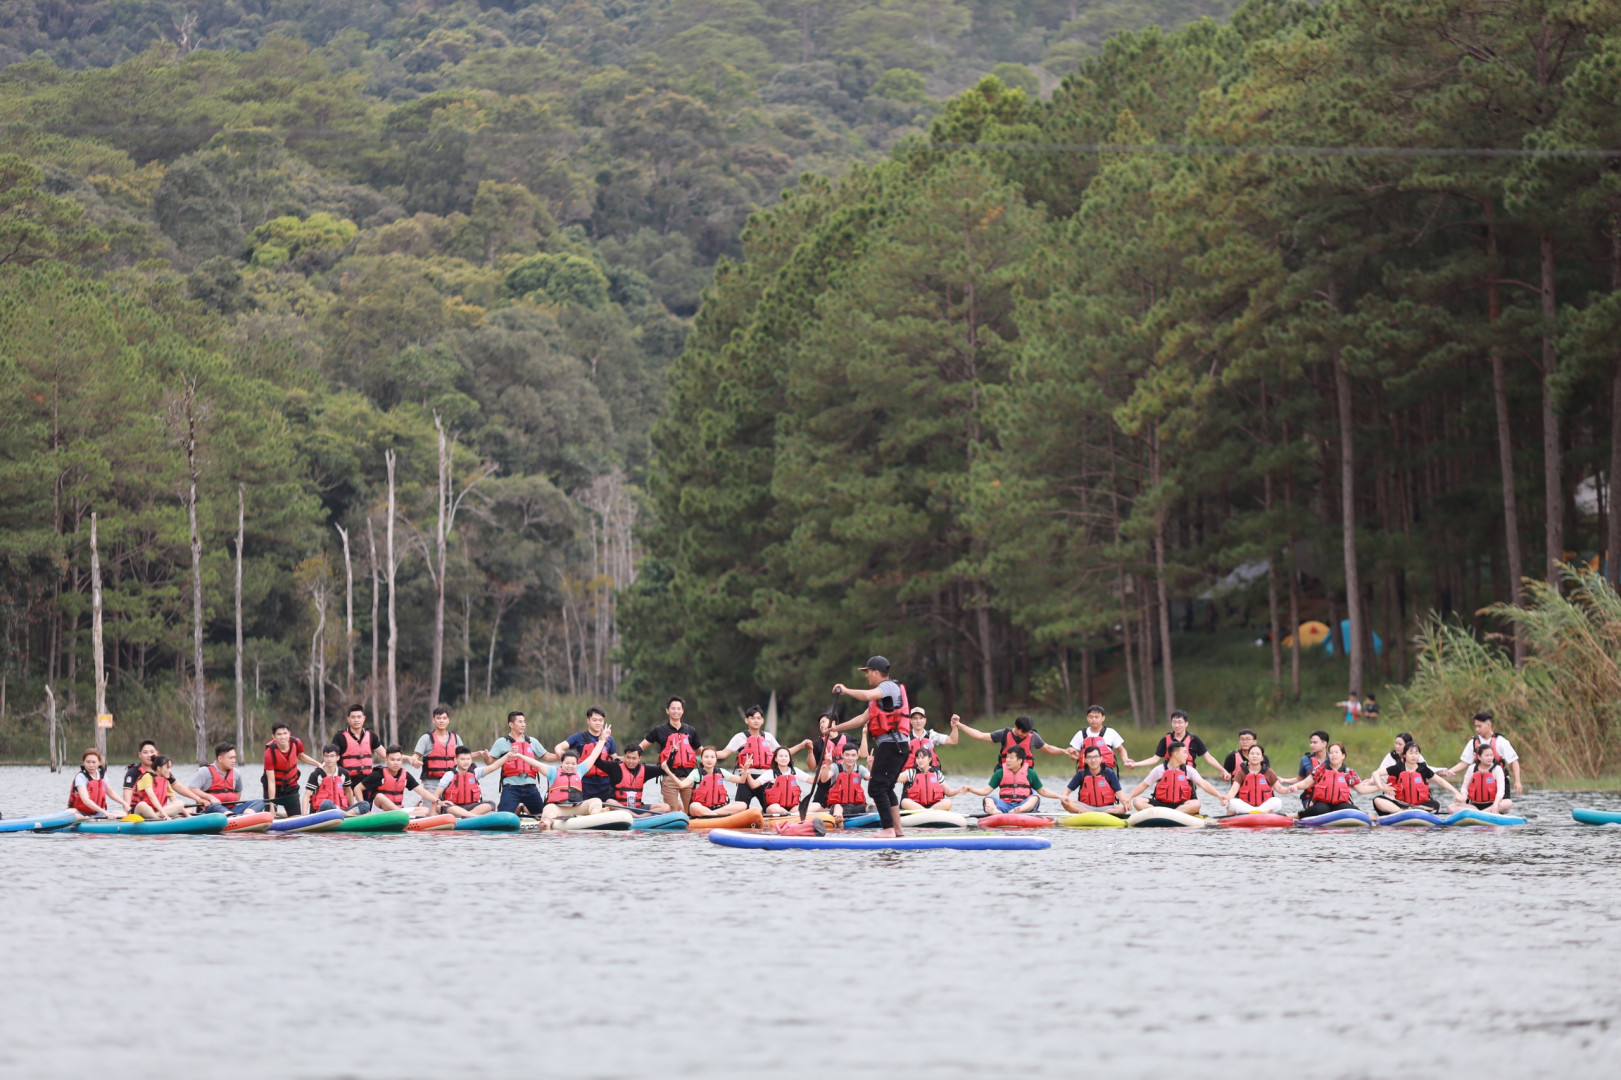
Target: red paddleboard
x,y
432,824
1257,821
1016,821
259,822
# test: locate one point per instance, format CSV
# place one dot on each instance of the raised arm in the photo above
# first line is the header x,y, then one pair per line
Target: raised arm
x,y
596,750
959,724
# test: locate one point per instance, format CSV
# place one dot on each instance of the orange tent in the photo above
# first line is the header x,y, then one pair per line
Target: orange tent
x,y
1312,634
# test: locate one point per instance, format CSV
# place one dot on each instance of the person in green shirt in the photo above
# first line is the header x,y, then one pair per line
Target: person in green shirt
x,y
1014,788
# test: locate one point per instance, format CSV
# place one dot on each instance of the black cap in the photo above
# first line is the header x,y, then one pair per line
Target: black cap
x,y
876,663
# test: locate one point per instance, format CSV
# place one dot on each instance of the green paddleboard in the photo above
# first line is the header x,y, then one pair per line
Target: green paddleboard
x,y
376,821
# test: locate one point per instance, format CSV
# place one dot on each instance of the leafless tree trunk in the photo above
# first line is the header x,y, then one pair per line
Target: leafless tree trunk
x,y
241,537
467,647
50,728
448,503
504,597
1353,583
348,612
1613,546
96,649
393,624
1505,441
1164,600
987,668
375,685
199,687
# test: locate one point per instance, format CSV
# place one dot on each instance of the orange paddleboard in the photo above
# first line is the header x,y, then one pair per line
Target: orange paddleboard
x,y
746,819
432,824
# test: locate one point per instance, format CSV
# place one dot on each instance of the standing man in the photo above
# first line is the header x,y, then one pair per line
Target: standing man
x,y
677,747
1197,751
283,753
922,735
1502,753
220,784
520,772
435,752
596,782
888,725
1022,734
1097,732
358,746
759,748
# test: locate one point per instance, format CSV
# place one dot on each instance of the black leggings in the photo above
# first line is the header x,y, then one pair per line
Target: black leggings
x,y
888,758
1317,809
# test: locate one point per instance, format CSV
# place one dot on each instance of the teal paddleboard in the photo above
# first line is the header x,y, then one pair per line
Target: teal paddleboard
x,y
202,824
1596,817
40,822
675,821
495,821
1480,817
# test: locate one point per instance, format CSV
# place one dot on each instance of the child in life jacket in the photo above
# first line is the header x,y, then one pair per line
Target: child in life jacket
x,y
328,787
708,784
1484,787
1096,788
460,792
565,794
1408,784
630,778
1014,787
90,794
1254,785
155,797
1331,784
782,792
846,791
923,786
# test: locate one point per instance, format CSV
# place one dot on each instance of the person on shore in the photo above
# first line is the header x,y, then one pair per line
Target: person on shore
x,y
630,777
521,755
435,752
89,794
922,735
1370,708
1254,784
1397,754
220,785
1022,734
386,788
329,787
142,767
707,785
1172,784
1098,733
565,792
1484,786
594,779
1316,755
460,792
1095,786
887,725
677,746
846,797
1179,733
1331,785
155,797
281,779
1014,787
1503,753
1406,784
1236,760
923,786
358,745
782,793
1352,706
755,749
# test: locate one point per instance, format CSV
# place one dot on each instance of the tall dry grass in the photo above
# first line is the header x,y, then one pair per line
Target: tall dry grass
x,y
1561,709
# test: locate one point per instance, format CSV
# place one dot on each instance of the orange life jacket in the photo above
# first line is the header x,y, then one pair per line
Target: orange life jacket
x,y
464,790
880,722
222,785
1253,787
1097,791
95,789
846,790
1015,786
710,791
1174,787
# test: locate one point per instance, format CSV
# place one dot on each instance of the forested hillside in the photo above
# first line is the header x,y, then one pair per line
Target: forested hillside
x,y
251,252
1078,375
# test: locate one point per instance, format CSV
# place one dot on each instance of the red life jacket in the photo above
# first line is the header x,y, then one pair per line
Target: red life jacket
x,y
880,722
95,789
356,756
1482,786
1097,791
1497,751
1411,788
565,789
464,790
394,787
1253,787
926,788
1174,787
783,791
846,790
335,788
1010,740
918,742
711,791
758,750
1330,785
1104,749
1015,786
156,796
833,749
585,749
628,791
222,785
677,751
516,766
284,766
441,755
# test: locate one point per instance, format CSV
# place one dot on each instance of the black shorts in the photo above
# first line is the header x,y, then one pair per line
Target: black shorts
x,y
747,795
288,800
853,809
1431,805
1155,801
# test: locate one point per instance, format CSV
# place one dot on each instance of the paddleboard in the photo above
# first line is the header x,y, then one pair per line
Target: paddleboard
x,y
1480,817
747,819
607,821
1163,817
1256,821
494,821
434,823
320,821
1015,821
770,841
1596,817
1093,819
861,821
1412,819
202,824
674,821
378,821
259,822
933,819
40,822
1349,818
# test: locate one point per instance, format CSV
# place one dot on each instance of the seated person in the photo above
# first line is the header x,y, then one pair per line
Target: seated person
x,y
923,786
708,784
1331,784
782,793
1095,787
386,788
90,794
155,797
1406,785
1017,788
460,793
846,795
328,787
1484,787
565,795
630,778
1254,785
1172,784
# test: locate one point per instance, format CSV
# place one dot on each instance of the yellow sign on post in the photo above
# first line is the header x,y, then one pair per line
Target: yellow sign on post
x,y
105,720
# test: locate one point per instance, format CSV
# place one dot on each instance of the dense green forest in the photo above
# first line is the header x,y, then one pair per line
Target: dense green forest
x,y
252,253
709,344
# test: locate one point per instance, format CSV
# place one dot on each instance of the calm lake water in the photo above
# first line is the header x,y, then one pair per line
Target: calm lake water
x,y
1131,952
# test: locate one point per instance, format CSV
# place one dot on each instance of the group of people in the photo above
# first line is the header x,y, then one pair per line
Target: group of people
x,y
590,771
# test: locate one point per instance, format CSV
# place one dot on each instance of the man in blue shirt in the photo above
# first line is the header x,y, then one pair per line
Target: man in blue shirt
x,y
520,773
596,783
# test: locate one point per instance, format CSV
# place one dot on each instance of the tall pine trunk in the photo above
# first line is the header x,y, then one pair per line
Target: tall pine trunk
x,y
1613,540
1164,599
393,623
97,653
241,534
199,703
1353,584
1553,488
375,685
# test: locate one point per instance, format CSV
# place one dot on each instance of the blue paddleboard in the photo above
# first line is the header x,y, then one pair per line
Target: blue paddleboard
x,y
772,842
495,821
40,822
1596,817
1410,818
1480,817
201,824
861,821
320,821
674,821
1349,818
